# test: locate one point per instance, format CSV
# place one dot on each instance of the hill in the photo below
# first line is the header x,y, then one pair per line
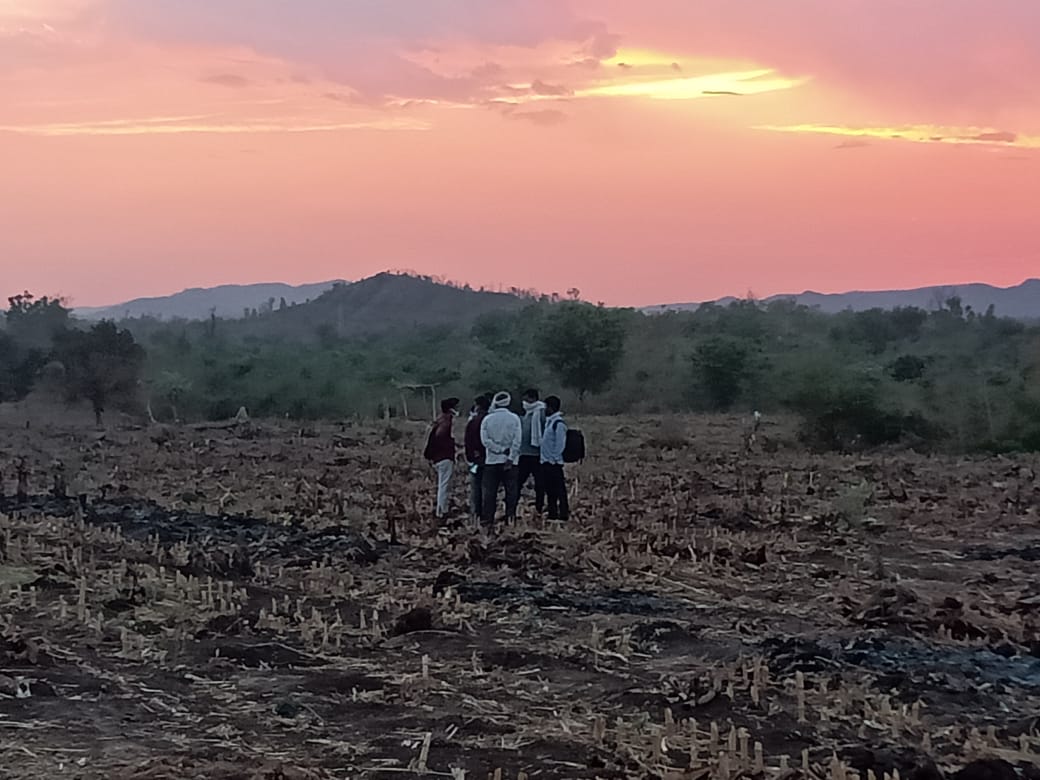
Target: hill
x,y
227,301
1019,302
385,303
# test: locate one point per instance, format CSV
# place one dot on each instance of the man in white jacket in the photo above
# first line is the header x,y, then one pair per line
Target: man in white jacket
x,y
501,434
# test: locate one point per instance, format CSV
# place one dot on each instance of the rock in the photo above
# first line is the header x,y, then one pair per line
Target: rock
x,y
287,709
418,619
987,769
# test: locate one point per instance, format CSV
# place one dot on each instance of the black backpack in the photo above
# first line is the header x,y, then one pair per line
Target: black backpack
x,y
574,446
428,449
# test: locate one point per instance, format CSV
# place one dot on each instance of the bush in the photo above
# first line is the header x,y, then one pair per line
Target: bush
x,y
907,368
722,366
845,413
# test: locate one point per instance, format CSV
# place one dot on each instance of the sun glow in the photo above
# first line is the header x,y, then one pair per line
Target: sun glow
x,y
749,82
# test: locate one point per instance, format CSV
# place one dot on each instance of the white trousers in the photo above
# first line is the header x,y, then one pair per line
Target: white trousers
x,y
444,471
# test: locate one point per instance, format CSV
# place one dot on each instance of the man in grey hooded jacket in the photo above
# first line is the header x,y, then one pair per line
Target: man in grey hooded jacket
x,y
532,427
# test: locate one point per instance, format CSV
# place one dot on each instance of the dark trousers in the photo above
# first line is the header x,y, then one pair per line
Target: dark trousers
x,y
494,477
476,492
556,492
531,466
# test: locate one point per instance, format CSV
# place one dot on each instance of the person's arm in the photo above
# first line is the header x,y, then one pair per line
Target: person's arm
x,y
559,440
442,429
517,441
485,437
473,443
538,428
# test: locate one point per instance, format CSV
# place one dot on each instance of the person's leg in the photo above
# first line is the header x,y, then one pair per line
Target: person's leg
x,y
444,470
565,504
489,489
552,491
539,486
526,468
476,493
511,478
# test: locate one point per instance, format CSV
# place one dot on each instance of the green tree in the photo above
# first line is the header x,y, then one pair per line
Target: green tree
x,y
35,322
102,365
583,345
172,387
723,365
19,368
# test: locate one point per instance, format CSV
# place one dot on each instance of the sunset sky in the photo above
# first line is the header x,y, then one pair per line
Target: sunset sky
x,y
643,152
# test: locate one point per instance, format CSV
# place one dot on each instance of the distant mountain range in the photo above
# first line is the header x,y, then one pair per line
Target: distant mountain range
x,y
359,306
1020,302
227,301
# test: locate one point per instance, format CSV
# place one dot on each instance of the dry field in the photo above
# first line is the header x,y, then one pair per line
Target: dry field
x,y
270,602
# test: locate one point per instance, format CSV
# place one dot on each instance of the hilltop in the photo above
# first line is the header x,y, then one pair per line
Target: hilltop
x,y
384,303
1019,302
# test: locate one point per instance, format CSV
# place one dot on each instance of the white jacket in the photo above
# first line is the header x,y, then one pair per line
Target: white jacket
x,y
501,434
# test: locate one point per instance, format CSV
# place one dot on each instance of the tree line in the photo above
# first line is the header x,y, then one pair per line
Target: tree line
x,y
948,378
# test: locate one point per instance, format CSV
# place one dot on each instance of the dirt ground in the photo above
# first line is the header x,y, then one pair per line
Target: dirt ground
x,y
266,601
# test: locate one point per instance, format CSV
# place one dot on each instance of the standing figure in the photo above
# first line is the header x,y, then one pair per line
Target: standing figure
x,y
501,435
440,451
554,441
532,425
476,453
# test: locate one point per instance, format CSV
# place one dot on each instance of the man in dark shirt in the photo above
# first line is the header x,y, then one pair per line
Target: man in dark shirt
x,y
440,451
475,454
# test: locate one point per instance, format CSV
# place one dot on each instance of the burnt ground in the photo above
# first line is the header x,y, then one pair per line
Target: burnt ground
x,y
270,602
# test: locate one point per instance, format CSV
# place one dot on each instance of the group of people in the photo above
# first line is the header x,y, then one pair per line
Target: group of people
x,y
504,452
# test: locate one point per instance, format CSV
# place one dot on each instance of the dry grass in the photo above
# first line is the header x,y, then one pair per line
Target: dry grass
x,y
226,605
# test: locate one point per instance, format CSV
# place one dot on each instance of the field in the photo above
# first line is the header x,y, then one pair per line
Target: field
x,y
265,601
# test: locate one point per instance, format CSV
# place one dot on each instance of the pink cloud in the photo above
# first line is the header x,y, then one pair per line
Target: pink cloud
x,y
959,56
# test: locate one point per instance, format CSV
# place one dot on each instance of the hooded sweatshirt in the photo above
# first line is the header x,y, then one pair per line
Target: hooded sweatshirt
x,y
501,433
533,423
554,440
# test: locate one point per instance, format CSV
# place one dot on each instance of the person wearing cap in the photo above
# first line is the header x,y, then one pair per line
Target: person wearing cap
x,y
440,451
501,433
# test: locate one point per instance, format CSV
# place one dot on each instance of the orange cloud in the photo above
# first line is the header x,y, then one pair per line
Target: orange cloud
x,y
929,134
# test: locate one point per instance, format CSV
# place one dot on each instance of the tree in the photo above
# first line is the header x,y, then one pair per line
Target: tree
x,y
19,368
723,366
173,387
583,345
35,322
102,365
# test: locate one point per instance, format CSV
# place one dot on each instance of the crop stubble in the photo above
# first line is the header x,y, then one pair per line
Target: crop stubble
x,y
228,602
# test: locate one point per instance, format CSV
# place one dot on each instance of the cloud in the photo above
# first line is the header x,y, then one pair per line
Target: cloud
x,y
997,136
231,80
540,87
690,88
927,134
205,124
545,118
853,143
961,58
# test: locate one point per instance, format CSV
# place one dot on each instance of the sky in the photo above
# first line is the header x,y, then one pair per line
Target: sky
x,y
650,152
